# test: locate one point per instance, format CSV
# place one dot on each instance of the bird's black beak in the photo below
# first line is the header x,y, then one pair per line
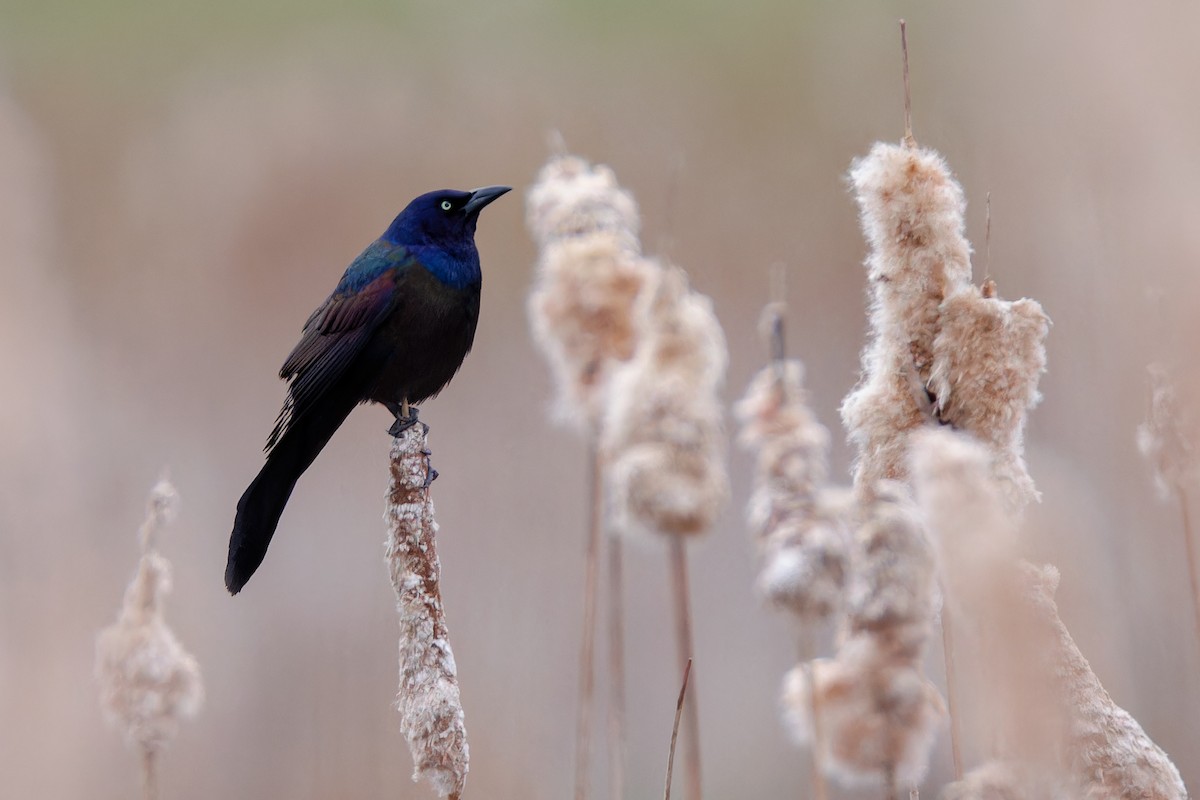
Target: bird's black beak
x,y
481,197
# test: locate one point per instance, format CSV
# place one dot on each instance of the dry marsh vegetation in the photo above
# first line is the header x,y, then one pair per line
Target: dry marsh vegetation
x,y
162,233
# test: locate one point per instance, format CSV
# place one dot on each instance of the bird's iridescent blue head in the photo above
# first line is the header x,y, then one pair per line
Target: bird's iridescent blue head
x,y
445,218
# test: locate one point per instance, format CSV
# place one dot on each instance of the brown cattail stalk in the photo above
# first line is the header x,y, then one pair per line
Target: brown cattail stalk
x,y
616,669
685,654
909,141
952,693
148,682
587,646
431,714
586,314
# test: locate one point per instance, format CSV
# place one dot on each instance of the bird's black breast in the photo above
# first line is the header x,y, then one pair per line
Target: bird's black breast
x,y
425,338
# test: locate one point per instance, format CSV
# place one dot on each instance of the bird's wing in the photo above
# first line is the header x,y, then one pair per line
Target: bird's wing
x,y
333,336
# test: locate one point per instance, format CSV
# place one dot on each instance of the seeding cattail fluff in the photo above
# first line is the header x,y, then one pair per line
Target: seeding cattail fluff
x,y
663,430
911,212
148,682
797,518
584,308
998,780
1107,753
1167,439
893,593
988,357
972,529
1005,700
1039,702
878,714
431,714
940,348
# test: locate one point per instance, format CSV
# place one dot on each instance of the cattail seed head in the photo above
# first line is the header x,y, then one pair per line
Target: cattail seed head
x,y
1106,751
797,518
148,682
893,591
912,217
572,198
586,309
662,432
988,357
940,347
879,715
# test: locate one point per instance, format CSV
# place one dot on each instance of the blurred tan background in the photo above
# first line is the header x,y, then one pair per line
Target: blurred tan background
x,y
180,184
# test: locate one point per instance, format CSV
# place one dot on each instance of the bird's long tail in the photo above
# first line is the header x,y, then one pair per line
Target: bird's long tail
x,y
262,503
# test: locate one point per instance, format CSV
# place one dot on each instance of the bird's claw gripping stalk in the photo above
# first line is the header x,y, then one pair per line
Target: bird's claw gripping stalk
x,y
406,417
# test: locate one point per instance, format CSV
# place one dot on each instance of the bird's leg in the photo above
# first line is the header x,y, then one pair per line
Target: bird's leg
x,y
406,416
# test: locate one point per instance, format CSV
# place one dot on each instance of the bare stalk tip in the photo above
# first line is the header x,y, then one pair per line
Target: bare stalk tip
x,y
909,141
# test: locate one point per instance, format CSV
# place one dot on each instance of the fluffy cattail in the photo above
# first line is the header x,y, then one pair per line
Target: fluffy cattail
x,y
1042,706
940,347
988,356
973,531
663,427
1108,754
878,714
431,714
893,591
584,309
997,780
1007,700
796,516
1167,438
148,682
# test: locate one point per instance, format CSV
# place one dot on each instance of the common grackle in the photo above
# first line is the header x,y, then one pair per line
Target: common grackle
x,y
394,331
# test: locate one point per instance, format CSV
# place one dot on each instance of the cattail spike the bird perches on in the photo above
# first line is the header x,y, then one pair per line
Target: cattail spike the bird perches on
x,y
431,715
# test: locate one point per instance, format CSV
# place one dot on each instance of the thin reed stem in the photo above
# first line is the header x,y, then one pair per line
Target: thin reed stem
x,y
683,638
587,650
909,141
951,692
687,670
616,670
149,774
987,239
1190,545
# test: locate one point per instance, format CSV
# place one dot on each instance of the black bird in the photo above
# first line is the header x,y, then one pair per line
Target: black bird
x,y
394,331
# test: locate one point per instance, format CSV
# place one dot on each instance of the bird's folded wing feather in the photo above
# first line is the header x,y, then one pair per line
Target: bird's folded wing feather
x,y
333,336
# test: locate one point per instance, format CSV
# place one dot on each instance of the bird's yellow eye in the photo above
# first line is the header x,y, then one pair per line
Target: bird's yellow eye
x,y
446,205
